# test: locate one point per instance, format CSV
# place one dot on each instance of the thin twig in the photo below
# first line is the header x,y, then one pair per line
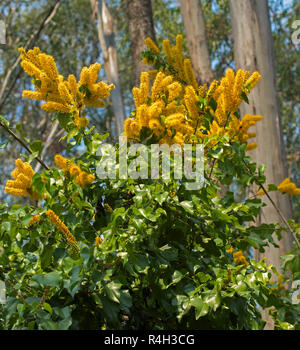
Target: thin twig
x,y
24,145
50,13
279,212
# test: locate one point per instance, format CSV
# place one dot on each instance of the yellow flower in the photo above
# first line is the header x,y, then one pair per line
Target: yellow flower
x,y
151,45
239,258
189,73
63,229
289,187
65,96
98,241
82,178
35,219
21,185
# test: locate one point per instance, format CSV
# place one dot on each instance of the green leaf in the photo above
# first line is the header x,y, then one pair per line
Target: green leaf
x,y
48,308
112,290
188,206
244,97
168,252
52,279
36,146
201,308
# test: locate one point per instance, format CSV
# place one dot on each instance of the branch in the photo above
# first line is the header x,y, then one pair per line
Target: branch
x,y
23,144
279,212
48,143
31,41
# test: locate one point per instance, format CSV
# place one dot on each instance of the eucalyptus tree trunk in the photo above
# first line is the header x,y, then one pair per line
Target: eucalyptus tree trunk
x,y
194,25
140,21
253,51
106,34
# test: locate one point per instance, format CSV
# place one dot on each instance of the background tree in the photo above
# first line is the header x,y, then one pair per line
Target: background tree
x,y
106,33
194,25
140,22
253,51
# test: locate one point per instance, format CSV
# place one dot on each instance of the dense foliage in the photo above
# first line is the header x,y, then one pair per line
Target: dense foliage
x,y
94,253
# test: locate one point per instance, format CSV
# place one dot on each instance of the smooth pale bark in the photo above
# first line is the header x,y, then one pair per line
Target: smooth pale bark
x,y
253,51
106,35
194,25
140,22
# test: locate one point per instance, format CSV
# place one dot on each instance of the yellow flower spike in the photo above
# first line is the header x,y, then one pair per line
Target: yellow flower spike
x,y
142,115
35,219
21,185
156,87
202,90
189,73
151,45
179,42
74,170
155,110
127,127
168,51
84,76
190,100
56,107
144,88
80,122
61,161
84,179
33,95
136,96
174,119
251,146
93,72
31,69
239,258
72,85
155,125
212,88
174,90
166,81
16,191
64,93
63,229
253,80
49,65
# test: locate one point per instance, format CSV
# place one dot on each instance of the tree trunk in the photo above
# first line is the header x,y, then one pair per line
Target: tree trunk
x,y
253,51
106,34
140,20
194,25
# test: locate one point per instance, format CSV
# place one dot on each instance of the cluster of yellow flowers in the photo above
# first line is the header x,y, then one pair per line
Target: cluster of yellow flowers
x,y
171,111
286,186
238,256
63,229
289,187
21,185
178,66
60,95
82,177
35,219
161,112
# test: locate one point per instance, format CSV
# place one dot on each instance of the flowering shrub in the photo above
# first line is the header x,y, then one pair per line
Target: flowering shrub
x,y
92,253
